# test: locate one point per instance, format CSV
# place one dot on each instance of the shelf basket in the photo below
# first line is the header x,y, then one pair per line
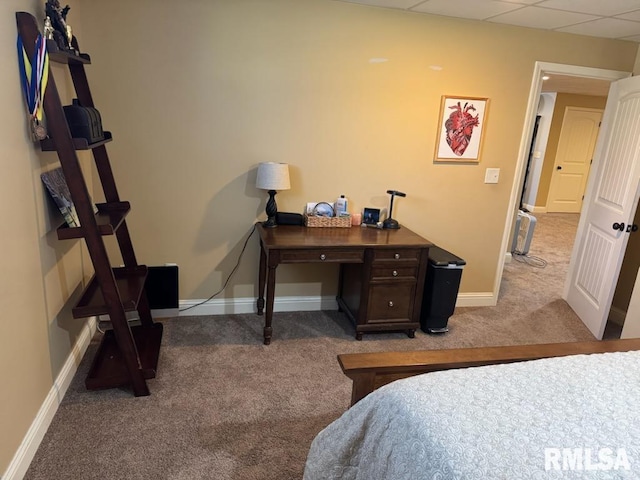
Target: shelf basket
x,y
314,220
320,221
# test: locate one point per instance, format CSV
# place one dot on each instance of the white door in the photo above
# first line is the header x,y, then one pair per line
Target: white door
x,y
578,135
610,201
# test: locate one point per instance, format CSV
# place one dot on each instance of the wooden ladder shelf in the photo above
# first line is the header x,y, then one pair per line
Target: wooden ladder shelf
x,y
127,356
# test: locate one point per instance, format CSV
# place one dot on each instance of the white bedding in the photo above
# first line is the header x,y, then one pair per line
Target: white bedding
x,y
569,417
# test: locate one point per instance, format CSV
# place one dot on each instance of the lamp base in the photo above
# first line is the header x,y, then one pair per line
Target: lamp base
x,y
270,223
271,210
391,224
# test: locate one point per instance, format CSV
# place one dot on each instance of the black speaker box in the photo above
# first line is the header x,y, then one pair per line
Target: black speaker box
x,y
162,287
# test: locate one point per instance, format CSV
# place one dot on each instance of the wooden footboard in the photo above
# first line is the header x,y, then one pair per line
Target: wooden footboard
x,y
369,371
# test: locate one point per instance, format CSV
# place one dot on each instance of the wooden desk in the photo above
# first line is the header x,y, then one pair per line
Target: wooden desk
x,y
382,272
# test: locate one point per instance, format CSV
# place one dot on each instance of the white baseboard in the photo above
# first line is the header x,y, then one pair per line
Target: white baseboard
x,y
302,304
155,313
31,441
534,209
165,312
477,299
248,305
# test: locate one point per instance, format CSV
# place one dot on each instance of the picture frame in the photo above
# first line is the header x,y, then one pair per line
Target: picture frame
x,y
371,216
461,127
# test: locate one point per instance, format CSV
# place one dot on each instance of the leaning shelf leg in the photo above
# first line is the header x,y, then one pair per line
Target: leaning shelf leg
x,y
129,353
144,312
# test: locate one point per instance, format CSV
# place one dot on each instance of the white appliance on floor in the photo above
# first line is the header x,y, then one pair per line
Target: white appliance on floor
x,y
524,226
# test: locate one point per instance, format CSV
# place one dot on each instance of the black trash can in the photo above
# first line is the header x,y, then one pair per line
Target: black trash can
x,y
444,271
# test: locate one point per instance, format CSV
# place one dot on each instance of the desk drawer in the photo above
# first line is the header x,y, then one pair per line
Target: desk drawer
x,y
390,303
393,271
322,256
399,255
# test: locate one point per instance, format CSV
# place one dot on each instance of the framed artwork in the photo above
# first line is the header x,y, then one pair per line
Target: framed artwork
x,y
460,128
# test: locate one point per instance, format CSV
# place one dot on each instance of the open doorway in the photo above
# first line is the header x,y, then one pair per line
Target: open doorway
x,y
574,74
566,127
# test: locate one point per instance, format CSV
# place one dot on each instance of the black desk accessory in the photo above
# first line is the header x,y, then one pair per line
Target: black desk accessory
x,y
286,218
390,222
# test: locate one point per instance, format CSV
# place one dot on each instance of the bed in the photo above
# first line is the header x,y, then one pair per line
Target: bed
x,y
528,412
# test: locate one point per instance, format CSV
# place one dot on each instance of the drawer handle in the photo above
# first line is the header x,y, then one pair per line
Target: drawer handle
x,y
396,256
323,256
395,273
391,304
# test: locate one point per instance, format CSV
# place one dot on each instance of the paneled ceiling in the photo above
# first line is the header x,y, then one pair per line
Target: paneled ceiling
x,y
615,19
578,85
619,19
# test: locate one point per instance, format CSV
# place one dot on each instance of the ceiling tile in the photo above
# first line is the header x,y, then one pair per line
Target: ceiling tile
x,y
630,16
615,17
536,17
605,27
402,4
595,7
523,2
466,8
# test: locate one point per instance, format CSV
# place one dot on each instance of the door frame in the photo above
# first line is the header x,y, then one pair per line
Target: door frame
x,y
540,68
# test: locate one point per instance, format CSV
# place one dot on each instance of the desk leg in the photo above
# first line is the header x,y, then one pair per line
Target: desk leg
x,y
262,276
271,286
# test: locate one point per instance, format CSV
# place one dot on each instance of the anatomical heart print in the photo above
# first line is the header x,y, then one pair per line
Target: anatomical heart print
x,y
462,122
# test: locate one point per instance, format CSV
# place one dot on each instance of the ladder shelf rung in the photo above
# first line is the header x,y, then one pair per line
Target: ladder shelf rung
x,y
108,218
130,283
49,144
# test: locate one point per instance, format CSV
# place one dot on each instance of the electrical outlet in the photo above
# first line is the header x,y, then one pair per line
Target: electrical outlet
x,y
492,175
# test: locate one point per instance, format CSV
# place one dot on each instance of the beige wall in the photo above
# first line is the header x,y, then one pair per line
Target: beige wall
x,y
225,85
563,100
198,93
41,275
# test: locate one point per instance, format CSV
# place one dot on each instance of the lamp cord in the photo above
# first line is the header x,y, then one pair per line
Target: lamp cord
x,y
228,278
99,329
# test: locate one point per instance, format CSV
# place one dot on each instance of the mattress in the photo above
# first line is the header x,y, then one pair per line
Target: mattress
x,y
568,417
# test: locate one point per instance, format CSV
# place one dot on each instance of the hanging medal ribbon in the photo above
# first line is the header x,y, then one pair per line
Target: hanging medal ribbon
x,y
34,75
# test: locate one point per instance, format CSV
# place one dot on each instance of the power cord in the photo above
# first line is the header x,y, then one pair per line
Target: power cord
x,y
228,278
532,260
98,321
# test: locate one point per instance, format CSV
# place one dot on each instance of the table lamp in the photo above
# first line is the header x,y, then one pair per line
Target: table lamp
x,y
272,176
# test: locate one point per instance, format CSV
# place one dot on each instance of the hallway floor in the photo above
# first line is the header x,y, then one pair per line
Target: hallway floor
x,y
551,246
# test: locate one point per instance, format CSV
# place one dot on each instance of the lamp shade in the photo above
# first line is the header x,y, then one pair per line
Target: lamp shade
x,y
273,176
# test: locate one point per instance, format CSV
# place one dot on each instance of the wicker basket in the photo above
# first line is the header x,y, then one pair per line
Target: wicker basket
x,y
321,221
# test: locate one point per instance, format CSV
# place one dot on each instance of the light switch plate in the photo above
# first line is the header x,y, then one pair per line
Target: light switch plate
x,y
492,175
